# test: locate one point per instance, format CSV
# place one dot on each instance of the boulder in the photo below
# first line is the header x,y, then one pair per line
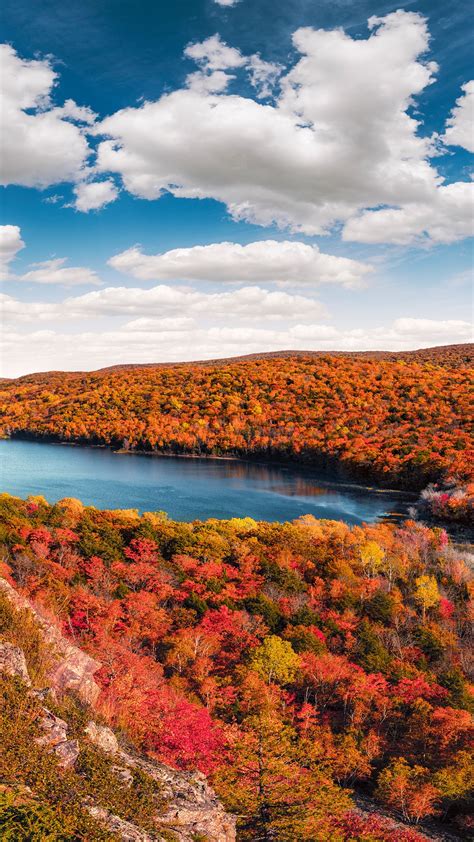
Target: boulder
x,y
73,669
102,737
67,753
12,662
55,736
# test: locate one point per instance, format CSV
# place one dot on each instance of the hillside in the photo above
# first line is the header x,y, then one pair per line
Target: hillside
x,y
335,658
64,775
400,420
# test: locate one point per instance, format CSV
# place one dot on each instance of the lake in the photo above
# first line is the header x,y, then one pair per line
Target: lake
x,y
187,489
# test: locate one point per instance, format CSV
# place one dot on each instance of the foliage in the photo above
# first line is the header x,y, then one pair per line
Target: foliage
x,y
262,653
397,421
18,627
275,660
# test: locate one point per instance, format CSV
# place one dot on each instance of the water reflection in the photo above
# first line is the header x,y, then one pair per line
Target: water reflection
x,y
186,488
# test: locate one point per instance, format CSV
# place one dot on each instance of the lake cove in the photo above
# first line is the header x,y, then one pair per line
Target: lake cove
x,y
185,488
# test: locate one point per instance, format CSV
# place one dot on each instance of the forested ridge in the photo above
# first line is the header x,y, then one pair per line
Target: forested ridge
x,y
401,422
334,658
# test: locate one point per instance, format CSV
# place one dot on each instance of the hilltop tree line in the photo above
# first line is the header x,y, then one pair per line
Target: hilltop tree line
x,y
403,423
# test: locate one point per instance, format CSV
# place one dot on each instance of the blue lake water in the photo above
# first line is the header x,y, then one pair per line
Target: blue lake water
x,y
187,489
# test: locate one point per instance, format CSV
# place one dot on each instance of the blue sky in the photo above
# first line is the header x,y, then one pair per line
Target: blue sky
x,y
295,124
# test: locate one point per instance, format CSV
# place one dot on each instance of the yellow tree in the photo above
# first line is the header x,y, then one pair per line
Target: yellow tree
x,y
275,660
427,593
371,556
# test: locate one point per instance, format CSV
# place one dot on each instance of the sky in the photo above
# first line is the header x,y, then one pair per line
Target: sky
x,y
210,178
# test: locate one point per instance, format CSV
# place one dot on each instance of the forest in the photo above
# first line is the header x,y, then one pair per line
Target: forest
x,y
336,658
400,422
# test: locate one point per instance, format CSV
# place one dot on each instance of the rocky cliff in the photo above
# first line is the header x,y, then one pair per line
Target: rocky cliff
x,y
187,809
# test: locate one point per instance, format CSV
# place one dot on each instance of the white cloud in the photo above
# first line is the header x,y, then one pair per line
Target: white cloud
x,y
263,75
10,244
246,302
226,2
338,140
203,83
55,272
253,303
15,311
263,261
215,54
51,349
52,271
460,125
433,328
93,195
40,146
179,323
447,218
80,113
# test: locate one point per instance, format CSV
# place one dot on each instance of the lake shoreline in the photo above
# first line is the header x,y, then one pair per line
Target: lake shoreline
x,y
318,472
191,486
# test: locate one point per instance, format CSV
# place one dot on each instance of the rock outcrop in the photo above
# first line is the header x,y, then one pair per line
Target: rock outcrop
x,y
74,670
192,809
12,662
55,736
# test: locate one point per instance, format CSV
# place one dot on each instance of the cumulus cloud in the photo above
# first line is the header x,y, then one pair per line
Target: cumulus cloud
x,y
93,195
40,145
339,139
339,143
447,218
10,244
433,328
202,82
52,271
263,75
162,301
263,261
147,325
56,272
215,54
226,2
460,125
246,302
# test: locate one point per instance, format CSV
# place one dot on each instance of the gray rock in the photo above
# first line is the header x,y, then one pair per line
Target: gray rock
x,y
102,737
73,670
193,807
67,753
125,830
55,729
55,737
12,662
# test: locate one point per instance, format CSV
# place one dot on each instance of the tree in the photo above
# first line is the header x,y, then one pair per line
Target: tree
x,y
372,556
275,660
407,789
427,593
274,791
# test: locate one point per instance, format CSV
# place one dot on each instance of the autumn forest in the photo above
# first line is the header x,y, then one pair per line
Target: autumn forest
x,y
260,653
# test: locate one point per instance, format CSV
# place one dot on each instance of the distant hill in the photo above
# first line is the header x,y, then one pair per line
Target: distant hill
x,y
396,419
453,355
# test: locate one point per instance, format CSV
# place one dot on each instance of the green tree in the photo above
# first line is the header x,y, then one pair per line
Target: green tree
x,y
276,793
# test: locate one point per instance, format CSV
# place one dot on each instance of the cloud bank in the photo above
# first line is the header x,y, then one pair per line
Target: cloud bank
x,y
263,261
